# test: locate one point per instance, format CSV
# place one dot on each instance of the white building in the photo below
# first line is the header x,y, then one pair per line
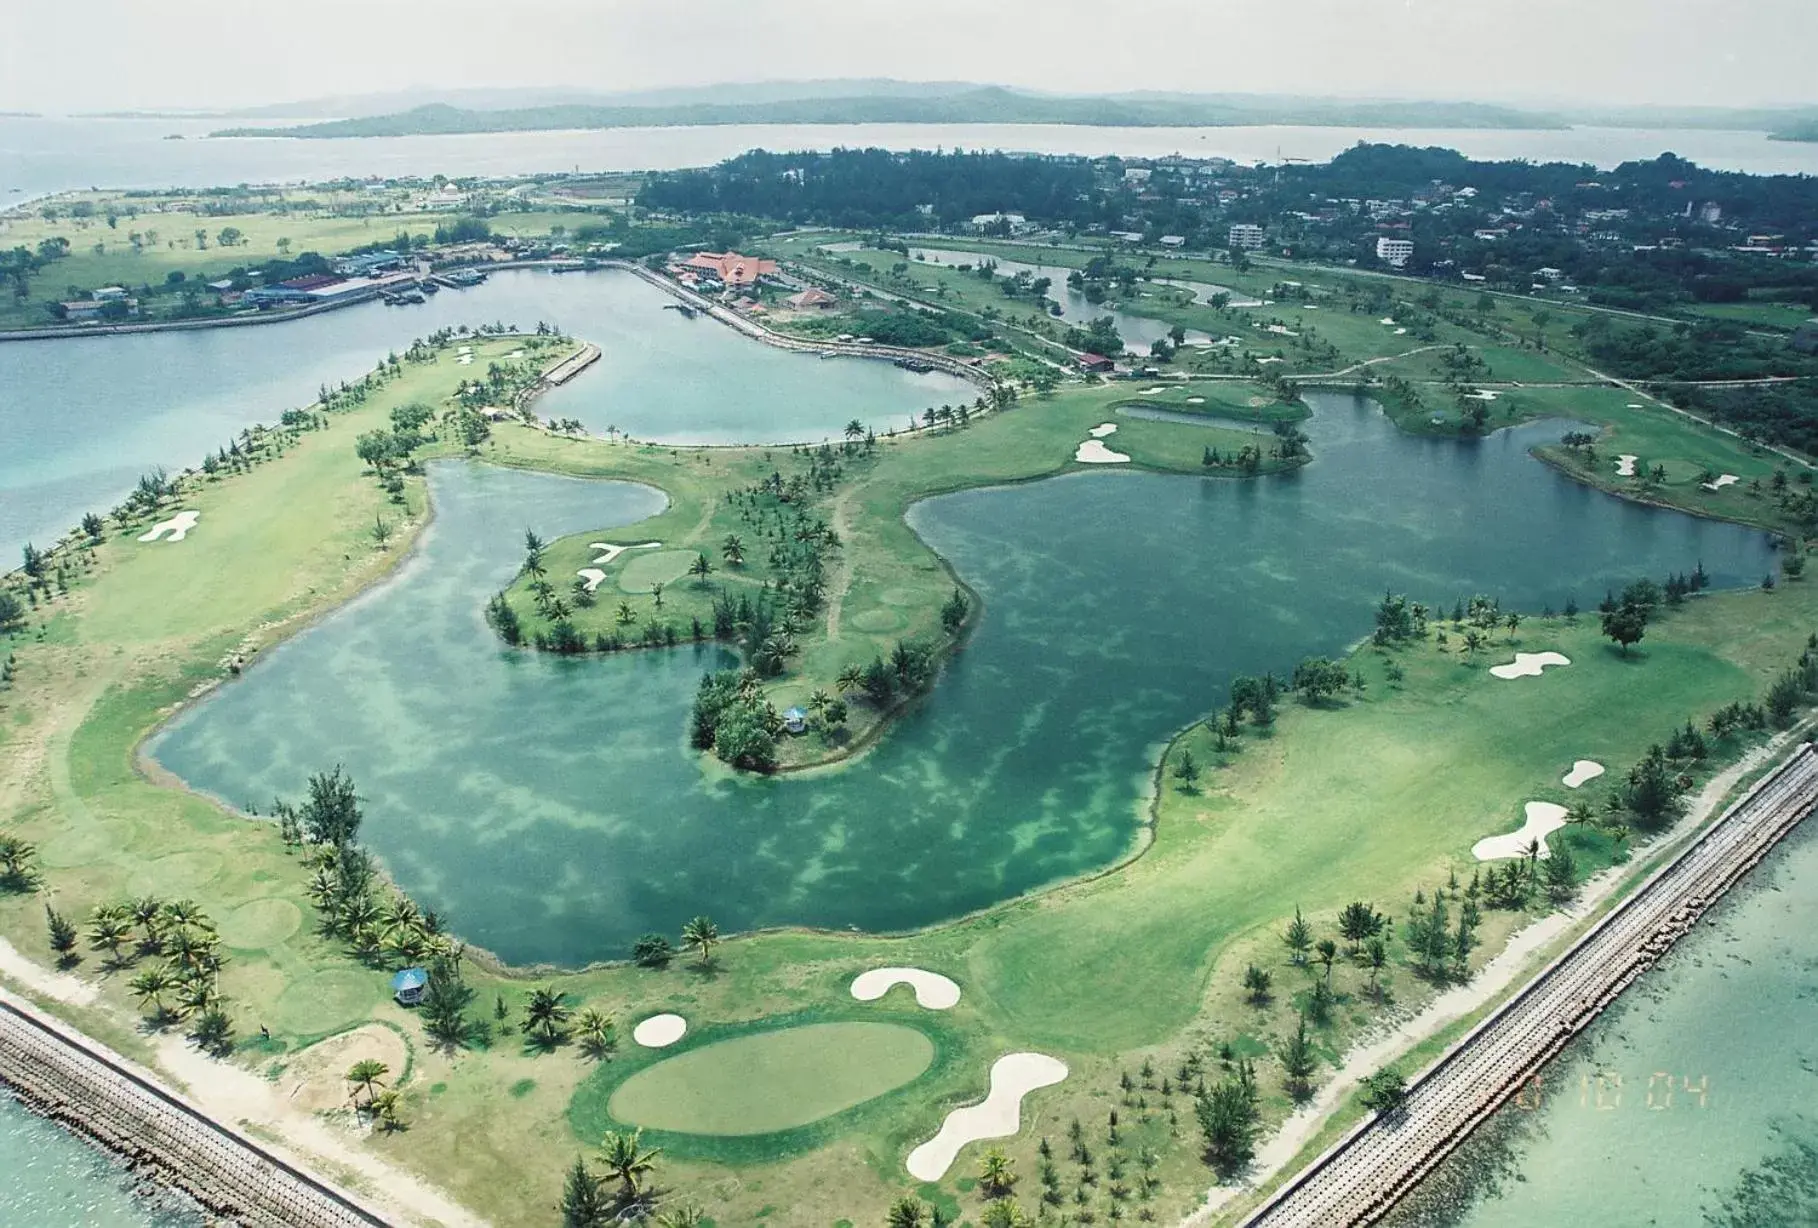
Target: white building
x,y
1247,236
1016,223
1395,252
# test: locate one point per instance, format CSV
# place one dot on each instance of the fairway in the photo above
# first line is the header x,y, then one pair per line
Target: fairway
x,y
660,567
774,1080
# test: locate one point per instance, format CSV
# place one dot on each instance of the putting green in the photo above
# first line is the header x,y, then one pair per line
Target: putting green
x,y
662,567
774,1080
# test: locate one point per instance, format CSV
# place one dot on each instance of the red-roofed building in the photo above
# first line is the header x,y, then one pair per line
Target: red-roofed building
x,y
732,268
1095,362
810,298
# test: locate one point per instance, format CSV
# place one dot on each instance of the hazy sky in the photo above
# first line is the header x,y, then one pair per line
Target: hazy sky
x,y
60,56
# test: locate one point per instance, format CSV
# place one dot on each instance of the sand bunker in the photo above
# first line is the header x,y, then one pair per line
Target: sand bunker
x,y
315,1078
1389,320
999,1115
1481,395
1263,362
1583,771
932,990
1529,664
177,526
1401,332
1103,429
1092,452
1196,400
593,576
1543,818
1625,465
660,1031
1728,479
1281,330
609,552
1149,392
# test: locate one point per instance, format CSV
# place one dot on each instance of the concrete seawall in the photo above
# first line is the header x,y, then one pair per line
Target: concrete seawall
x,y
81,1084
1362,1176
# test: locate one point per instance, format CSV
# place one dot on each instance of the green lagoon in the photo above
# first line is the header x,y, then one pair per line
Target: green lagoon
x,y
551,809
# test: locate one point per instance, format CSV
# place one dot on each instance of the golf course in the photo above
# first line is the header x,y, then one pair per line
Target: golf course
x,y
1147,731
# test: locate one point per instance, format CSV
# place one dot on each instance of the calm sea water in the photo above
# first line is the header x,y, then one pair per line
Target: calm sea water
x,y
1703,1075
83,419
38,156
52,1179
519,794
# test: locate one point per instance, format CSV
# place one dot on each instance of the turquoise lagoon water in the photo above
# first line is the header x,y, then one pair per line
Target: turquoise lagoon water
x,y
1704,1073
83,419
55,1180
551,808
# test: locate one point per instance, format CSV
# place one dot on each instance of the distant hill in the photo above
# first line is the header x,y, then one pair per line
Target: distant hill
x,y
905,103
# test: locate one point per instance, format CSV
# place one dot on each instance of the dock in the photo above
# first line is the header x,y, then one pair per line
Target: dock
x,y
1362,1176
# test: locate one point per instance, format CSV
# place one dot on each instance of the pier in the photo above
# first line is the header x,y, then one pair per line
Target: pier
x,y
1362,1176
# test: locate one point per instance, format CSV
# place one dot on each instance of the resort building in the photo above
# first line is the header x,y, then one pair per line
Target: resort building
x,y
1247,235
409,985
1095,362
730,268
813,298
1395,252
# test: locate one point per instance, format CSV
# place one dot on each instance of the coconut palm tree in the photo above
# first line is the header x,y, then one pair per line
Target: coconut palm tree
x,y
598,1034
701,568
368,1074
385,1110
151,985
626,1160
545,1014
702,935
855,429
733,550
15,863
996,1175
685,1216
107,931
851,678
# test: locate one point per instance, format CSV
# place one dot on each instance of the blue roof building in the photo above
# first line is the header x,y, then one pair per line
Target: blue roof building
x,y
409,985
795,721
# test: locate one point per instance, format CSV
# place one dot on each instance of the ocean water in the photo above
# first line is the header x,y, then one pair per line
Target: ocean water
x,y
49,1178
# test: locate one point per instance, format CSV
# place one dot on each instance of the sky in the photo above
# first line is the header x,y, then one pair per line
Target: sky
x,y
58,57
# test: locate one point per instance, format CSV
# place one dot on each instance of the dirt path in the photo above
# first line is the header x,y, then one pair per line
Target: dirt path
x,y
1507,969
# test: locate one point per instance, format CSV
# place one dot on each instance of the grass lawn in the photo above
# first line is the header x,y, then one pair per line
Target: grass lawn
x,y
1125,976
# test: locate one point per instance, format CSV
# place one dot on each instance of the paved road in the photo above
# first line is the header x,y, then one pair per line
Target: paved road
x,y
1362,1176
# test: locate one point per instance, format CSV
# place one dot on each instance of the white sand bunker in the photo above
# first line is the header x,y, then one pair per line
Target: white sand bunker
x,y
1401,332
1013,1076
1263,362
932,990
659,1031
1389,321
1481,395
609,552
1543,818
1092,452
1196,400
1282,331
1583,772
1149,392
1625,465
1529,664
593,576
1103,429
1727,479
177,526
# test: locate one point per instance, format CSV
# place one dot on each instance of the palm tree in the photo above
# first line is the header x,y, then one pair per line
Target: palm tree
x,y
148,914
907,1213
107,931
702,567
367,1074
701,934
151,985
685,1216
851,678
996,1175
855,429
733,550
15,867
1326,951
624,1156
545,1014
1376,955
598,1035
384,1108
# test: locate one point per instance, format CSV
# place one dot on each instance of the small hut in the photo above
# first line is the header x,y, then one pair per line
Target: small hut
x,y
795,721
409,986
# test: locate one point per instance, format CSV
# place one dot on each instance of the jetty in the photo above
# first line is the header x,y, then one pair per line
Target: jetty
x,y
1362,1176
572,365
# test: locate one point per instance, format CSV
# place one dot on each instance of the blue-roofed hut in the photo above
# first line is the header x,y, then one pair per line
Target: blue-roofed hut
x,y
409,985
795,721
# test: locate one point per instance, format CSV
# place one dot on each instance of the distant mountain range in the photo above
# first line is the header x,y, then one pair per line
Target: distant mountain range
x,y
424,111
